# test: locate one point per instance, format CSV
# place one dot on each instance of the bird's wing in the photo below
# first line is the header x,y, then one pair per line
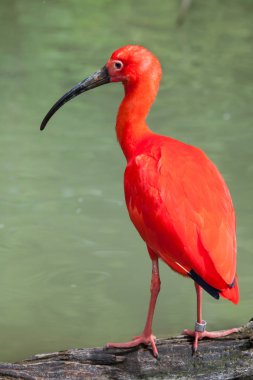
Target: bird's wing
x,y
182,208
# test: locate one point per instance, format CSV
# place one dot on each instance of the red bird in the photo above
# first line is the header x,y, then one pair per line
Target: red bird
x,y
175,196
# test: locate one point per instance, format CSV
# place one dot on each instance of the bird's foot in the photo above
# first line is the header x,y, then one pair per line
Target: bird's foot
x,y
136,341
200,333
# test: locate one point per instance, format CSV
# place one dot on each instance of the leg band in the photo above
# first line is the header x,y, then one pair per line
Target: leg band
x,y
200,327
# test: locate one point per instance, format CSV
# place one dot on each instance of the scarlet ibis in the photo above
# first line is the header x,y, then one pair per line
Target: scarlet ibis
x,y
175,196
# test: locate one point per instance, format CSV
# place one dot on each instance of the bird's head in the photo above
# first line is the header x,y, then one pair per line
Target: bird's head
x,y
132,63
129,64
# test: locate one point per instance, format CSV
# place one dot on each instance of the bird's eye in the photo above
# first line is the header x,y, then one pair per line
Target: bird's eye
x,y
118,65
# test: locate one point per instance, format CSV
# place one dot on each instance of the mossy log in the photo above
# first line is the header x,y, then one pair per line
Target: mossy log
x,y
225,358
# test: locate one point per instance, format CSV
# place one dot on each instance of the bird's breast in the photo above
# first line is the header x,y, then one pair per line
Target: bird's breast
x,y
141,193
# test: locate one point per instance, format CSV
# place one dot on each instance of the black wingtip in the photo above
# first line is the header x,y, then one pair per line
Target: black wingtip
x,y
215,293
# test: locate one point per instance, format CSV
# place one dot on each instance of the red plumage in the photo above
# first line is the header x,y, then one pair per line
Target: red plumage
x,y
182,209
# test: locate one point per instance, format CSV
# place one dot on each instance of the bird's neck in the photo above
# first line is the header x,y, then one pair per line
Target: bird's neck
x,y
131,125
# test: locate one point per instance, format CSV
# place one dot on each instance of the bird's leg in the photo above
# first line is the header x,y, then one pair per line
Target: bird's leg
x,y
146,336
200,326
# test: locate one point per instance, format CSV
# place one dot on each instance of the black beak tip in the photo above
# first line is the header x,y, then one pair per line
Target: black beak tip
x,y
43,124
99,78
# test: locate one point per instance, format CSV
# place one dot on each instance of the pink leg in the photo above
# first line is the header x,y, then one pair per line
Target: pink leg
x,y
146,337
200,325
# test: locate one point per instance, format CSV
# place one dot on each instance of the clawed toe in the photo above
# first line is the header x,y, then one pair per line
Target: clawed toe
x,y
198,335
137,340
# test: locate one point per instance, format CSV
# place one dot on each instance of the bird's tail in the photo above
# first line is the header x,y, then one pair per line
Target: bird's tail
x,y
232,293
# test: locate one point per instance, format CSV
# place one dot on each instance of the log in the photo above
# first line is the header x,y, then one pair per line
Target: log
x,y
225,358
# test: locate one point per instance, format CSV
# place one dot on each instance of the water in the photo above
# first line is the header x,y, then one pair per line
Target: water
x,y
74,272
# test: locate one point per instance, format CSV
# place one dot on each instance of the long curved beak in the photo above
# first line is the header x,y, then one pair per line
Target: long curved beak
x,y
99,78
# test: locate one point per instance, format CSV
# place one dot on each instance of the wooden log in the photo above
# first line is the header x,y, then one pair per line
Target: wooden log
x,y
225,358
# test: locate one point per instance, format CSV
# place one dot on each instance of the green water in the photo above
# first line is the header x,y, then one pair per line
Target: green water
x,y
74,272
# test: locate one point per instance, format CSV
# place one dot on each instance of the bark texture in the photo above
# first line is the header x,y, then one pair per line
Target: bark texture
x,y
226,358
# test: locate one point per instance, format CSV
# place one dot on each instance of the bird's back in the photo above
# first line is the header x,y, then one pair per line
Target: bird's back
x,y
182,208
